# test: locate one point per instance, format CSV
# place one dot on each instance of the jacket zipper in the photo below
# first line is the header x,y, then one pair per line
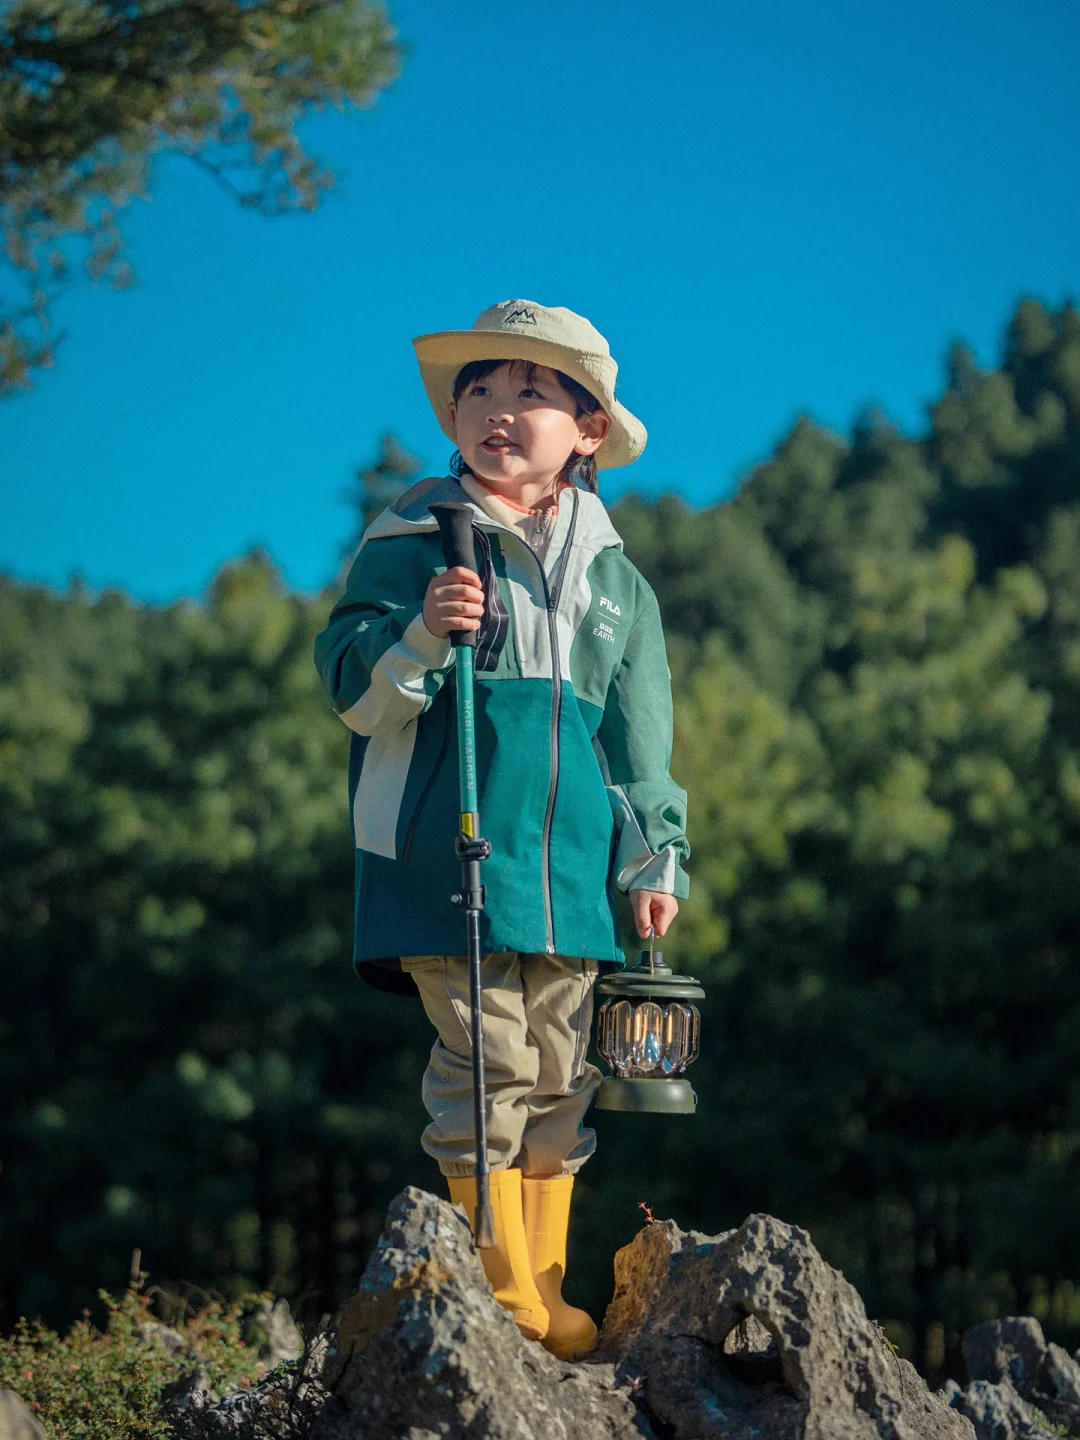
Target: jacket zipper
x,y
551,597
422,798
551,601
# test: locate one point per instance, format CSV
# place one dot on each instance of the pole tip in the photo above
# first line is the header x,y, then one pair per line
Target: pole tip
x,y
485,1228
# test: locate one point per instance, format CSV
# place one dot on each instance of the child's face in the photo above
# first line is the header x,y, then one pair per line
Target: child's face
x,y
513,432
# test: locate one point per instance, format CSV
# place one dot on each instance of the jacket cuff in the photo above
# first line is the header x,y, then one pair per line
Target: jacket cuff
x,y
662,873
436,653
656,873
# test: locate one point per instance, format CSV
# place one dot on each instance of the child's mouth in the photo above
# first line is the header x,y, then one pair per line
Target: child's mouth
x,y
497,447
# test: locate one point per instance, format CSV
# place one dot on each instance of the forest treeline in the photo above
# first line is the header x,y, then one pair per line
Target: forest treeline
x,y
875,652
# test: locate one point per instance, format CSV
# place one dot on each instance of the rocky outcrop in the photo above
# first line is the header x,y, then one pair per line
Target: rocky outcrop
x,y
998,1412
283,1406
286,1404
1020,1385
422,1350
751,1333
748,1335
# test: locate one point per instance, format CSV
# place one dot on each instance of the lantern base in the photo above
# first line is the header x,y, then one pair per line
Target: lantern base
x,y
658,1097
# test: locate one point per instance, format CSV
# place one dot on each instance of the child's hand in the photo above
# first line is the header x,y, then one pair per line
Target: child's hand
x,y
454,601
653,910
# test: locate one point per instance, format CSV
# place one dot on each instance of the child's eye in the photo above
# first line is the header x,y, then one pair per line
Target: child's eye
x,y
529,393
479,389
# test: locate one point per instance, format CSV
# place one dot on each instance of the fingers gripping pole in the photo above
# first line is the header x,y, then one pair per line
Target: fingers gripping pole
x,y
455,530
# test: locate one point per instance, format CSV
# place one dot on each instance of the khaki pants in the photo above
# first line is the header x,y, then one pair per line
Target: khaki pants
x,y
537,1016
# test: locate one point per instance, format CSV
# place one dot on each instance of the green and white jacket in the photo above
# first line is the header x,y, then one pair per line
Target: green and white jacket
x,y
573,736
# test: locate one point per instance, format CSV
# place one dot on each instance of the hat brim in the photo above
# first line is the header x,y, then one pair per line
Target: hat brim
x,y
442,354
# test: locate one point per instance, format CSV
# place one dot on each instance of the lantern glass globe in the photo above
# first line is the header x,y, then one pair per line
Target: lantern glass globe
x,y
648,1031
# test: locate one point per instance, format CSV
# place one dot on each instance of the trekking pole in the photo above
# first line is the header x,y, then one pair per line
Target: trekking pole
x,y
456,533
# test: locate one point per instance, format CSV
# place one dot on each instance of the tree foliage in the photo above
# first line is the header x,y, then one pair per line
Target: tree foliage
x,y
875,649
91,90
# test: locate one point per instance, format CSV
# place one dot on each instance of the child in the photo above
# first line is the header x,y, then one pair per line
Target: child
x,y
573,733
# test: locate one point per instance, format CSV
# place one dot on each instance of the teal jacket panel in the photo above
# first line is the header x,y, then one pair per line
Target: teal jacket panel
x,y
573,732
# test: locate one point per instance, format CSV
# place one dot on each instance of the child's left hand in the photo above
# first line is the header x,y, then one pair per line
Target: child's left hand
x,y
653,910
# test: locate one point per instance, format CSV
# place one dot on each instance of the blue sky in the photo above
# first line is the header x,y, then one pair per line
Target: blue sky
x,y
768,210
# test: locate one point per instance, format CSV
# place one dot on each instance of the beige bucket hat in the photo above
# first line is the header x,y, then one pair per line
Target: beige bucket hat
x,y
549,334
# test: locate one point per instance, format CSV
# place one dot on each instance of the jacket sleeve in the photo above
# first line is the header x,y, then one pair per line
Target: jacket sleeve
x,y
634,750
380,664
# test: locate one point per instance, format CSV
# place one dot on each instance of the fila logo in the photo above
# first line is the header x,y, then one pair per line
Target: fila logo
x,y
520,316
609,606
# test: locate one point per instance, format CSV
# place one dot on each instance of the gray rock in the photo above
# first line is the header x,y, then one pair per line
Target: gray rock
x,y
17,1420
167,1336
999,1412
1059,1377
1039,1382
1011,1348
190,1395
273,1324
748,1335
285,1405
423,1350
282,1406
828,1373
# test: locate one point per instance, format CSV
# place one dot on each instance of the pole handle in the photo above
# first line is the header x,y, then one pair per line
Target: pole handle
x,y
456,533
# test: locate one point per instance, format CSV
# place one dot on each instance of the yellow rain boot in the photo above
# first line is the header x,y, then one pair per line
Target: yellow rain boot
x,y
545,1203
507,1266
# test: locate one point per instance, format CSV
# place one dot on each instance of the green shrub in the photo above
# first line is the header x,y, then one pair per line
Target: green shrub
x,y
107,1385
1061,1431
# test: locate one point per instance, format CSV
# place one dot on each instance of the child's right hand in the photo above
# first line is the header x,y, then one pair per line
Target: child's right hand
x,y
454,601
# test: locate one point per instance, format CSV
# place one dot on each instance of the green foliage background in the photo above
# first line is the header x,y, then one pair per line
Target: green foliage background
x,y
875,649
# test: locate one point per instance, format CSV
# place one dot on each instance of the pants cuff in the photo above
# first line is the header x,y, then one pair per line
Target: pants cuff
x,y
458,1168
570,1167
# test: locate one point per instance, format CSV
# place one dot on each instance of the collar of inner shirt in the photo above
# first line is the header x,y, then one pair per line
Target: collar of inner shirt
x,y
537,510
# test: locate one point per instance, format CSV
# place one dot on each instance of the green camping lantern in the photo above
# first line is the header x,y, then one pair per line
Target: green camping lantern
x,y
648,1031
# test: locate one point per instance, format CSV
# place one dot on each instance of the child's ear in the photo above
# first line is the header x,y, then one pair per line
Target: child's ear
x,y
591,431
452,411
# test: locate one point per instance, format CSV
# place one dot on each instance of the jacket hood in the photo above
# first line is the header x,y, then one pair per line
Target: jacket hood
x,y
409,515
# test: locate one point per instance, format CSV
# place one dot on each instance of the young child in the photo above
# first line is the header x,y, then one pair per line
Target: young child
x,y
573,734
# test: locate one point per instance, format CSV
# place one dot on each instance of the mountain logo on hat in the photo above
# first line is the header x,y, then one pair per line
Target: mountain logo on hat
x,y
521,317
